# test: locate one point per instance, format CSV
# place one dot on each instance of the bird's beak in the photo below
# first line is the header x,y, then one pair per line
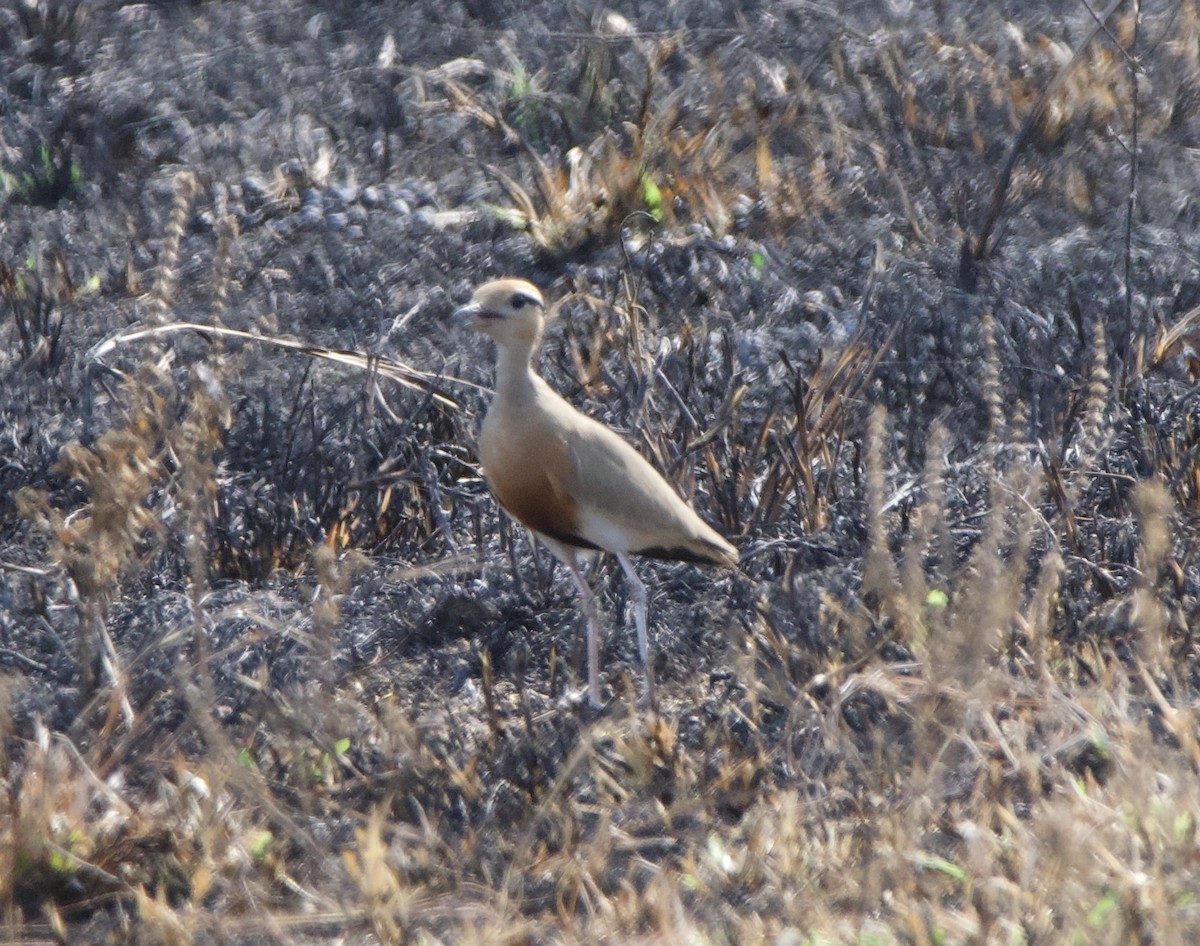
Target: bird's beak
x,y
470,311
474,314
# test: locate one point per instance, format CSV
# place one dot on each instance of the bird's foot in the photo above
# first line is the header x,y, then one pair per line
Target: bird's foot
x,y
583,699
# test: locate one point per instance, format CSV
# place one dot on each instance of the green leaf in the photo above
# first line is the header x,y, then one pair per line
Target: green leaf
x,y
520,81
1100,914
940,864
508,215
261,846
652,197
61,863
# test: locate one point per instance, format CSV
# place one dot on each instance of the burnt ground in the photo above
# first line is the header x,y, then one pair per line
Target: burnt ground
x,y
904,299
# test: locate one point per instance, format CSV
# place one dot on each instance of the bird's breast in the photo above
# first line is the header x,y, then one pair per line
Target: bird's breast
x,y
526,464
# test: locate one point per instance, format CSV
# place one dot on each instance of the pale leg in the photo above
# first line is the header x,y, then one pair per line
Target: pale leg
x,y
637,590
591,612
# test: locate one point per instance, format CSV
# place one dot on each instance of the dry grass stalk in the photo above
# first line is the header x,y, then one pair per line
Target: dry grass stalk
x,y
1092,433
1037,623
993,398
1154,509
162,293
930,537
879,571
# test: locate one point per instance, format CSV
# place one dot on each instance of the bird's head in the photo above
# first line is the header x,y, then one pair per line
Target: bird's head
x,y
508,310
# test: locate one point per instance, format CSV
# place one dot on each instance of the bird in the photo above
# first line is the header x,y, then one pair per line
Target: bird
x,y
575,483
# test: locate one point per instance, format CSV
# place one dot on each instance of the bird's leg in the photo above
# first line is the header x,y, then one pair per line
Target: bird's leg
x,y
637,589
591,612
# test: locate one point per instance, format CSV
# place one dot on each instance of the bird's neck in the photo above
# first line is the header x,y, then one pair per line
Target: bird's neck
x,y
515,379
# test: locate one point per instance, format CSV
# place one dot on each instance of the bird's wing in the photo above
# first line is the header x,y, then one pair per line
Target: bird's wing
x,y
625,505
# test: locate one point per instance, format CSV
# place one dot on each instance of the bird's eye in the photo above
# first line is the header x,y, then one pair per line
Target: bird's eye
x,y
518,302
